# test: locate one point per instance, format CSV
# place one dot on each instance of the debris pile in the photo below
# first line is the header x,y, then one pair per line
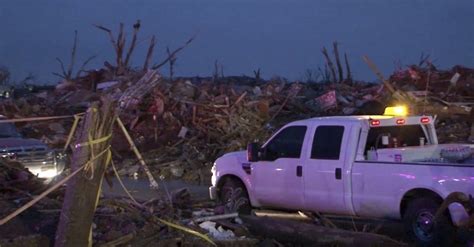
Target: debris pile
x,y
455,84
184,124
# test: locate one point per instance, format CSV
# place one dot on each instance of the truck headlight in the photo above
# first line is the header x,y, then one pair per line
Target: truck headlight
x,y
60,159
214,175
213,168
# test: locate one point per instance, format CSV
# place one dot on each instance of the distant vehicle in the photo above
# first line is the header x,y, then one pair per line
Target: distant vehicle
x,y
33,154
376,166
6,92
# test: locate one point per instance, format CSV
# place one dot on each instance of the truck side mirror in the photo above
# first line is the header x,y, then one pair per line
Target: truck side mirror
x,y
252,152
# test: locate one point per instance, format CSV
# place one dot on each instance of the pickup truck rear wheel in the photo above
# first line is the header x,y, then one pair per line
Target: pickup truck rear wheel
x,y
234,197
420,225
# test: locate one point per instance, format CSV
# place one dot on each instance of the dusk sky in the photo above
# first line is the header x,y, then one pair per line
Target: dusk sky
x,y
281,37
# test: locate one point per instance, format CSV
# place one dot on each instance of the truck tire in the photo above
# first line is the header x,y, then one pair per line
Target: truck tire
x,y
233,195
420,226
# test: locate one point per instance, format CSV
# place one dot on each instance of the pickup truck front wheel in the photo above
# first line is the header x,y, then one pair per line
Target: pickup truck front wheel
x,y
420,225
234,197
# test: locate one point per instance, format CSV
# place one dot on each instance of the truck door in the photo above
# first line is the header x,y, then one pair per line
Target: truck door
x,y
324,175
277,178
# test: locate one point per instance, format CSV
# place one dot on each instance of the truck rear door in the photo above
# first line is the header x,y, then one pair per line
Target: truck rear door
x,y
324,171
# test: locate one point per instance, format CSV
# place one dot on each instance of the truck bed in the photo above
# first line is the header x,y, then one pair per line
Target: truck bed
x,y
379,187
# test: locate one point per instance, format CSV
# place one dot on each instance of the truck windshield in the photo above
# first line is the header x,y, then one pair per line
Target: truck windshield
x,y
399,136
8,130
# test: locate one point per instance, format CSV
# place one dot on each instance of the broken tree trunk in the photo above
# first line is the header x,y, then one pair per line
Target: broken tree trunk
x,y
149,53
306,234
82,192
338,62
348,68
330,64
132,95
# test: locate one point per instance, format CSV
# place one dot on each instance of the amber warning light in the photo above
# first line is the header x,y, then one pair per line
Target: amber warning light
x,y
396,111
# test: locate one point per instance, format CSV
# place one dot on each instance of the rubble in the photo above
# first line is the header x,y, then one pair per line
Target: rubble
x,y
181,126
217,233
116,220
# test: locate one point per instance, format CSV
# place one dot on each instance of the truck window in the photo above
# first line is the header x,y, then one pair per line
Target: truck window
x,y
327,142
286,144
406,136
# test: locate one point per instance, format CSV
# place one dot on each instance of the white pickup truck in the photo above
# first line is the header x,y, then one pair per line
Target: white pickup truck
x,y
389,167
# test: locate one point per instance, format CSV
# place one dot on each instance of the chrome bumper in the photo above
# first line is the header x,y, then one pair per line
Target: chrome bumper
x,y
213,192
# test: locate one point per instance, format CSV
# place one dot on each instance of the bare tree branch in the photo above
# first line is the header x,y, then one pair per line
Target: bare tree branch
x,y
348,68
149,53
63,70
215,75
424,59
173,54
81,69
59,75
73,56
172,62
111,36
136,27
30,76
120,46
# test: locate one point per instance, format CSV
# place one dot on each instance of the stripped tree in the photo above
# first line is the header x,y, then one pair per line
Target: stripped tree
x,y
67,74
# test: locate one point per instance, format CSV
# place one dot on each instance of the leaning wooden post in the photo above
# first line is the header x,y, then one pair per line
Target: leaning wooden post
x,y
153,183
92,152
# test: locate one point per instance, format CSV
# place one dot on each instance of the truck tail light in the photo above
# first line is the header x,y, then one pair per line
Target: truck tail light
x,y
374,122
400,121
425,120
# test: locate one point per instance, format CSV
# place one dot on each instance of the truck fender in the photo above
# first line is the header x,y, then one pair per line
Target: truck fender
x,y
455,212
224,177
414,193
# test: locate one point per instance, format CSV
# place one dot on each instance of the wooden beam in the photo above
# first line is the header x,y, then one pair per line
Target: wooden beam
x,y
83,190
298,233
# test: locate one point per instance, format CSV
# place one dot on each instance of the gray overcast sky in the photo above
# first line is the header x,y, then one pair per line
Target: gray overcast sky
x,y
281,37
